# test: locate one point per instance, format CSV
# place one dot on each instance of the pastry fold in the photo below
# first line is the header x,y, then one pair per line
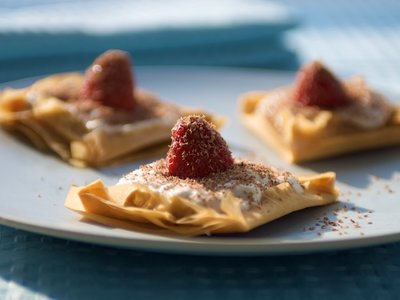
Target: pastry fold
x,y
136,207
51,125
300,139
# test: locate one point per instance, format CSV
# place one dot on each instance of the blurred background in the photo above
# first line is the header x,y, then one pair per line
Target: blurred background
x,y
360,36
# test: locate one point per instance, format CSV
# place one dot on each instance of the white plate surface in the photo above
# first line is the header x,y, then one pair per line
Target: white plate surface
x,y
34,185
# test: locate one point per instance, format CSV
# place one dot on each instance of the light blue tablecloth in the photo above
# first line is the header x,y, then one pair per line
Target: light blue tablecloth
x,y
351,36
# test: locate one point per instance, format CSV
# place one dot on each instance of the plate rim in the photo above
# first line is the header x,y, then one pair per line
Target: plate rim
x,y
219,247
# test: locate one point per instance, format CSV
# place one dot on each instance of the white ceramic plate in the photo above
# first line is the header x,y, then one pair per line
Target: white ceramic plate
x,y
34,185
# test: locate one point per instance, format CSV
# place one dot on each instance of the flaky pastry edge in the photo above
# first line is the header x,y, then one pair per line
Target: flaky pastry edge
x,y
136,207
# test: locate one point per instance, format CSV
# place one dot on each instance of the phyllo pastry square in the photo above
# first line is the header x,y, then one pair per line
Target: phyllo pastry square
x,y
321,116
97,119
199,188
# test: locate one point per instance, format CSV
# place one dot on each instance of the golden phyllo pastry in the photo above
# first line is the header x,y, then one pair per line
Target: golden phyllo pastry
x,y
97,119
200,189
321,116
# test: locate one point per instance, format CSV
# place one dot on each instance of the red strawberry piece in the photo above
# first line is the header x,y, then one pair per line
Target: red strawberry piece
x,y
197,149
109,81
318,86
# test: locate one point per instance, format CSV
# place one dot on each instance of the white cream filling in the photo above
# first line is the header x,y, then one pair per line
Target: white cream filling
x,y
99,124
369,110
249,193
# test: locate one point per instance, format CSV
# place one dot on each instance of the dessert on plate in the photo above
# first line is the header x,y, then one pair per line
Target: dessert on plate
x,y
321,116
199,188
97,119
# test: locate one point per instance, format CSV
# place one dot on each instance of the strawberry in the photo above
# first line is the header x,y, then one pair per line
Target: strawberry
x,y
197,149
109,81
316,85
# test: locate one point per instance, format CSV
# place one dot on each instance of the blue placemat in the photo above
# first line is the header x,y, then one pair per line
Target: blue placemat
x,y
38,267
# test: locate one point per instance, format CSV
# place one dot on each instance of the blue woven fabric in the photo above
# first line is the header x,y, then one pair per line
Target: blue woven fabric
x,y
37,267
